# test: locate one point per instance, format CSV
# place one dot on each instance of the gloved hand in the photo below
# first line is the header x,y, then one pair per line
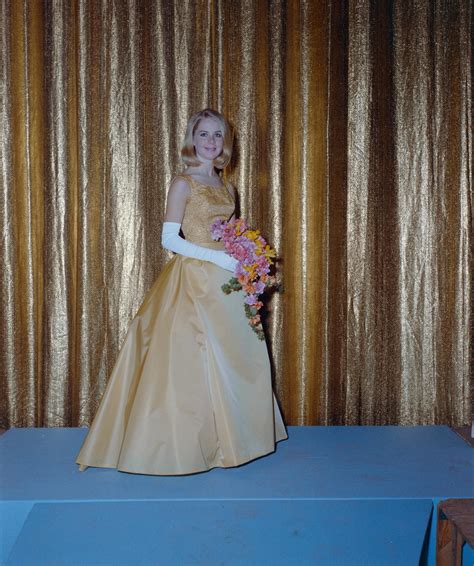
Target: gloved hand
x,y
171,240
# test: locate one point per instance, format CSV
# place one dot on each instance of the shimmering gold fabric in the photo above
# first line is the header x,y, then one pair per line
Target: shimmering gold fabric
x,y
353,156
191,389
209,204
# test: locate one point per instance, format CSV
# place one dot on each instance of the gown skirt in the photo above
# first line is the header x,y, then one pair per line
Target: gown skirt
x,y
191,389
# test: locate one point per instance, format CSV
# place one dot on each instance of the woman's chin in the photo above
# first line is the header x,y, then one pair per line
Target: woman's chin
x,y
207,159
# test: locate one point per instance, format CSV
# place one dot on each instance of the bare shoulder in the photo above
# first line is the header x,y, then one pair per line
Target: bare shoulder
x,y
178,196
180,186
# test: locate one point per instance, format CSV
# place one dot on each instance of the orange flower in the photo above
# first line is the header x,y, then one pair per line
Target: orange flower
x,y
252,234
251,270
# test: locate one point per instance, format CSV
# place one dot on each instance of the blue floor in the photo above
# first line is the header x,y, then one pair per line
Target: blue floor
x,y
321,482
224,532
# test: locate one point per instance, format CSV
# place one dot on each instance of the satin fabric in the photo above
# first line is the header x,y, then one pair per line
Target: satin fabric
x,y
191,388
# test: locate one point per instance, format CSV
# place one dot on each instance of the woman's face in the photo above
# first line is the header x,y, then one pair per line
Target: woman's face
x,y
208,140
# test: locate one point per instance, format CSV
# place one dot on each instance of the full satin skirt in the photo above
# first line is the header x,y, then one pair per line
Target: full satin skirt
x,y
191,389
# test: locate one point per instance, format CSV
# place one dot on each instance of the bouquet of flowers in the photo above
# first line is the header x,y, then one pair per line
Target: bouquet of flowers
x,y
252,274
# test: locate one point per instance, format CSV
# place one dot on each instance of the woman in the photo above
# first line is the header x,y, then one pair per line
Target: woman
x,y
191,389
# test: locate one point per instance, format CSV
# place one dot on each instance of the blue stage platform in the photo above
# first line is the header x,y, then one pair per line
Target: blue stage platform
x,y
329,495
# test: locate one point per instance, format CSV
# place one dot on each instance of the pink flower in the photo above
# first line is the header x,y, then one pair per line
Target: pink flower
x,y
254,262
259,287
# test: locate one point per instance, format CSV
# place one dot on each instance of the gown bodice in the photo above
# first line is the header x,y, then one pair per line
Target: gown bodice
x,y
205,205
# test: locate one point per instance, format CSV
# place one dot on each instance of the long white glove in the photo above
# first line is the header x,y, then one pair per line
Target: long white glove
x,y
171,240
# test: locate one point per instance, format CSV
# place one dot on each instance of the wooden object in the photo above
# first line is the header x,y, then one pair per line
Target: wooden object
x,y
455,527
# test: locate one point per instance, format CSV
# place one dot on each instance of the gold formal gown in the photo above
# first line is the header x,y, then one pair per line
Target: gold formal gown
x,y
191,389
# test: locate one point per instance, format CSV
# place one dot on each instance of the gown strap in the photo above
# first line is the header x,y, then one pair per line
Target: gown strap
x,y
192,184
186,177
230,189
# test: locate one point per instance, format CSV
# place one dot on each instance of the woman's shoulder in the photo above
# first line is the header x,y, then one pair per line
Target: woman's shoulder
x,y
182,177
185,177
181,183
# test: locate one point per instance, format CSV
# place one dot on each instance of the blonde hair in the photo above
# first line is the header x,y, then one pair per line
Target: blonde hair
x,y
188,155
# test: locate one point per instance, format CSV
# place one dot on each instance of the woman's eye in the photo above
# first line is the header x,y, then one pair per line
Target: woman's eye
x,y
203,134
218,135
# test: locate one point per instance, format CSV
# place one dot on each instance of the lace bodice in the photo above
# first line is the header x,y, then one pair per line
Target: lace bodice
x,y
205,205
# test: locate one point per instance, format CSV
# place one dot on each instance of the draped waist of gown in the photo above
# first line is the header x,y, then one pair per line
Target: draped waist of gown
x,y
209,244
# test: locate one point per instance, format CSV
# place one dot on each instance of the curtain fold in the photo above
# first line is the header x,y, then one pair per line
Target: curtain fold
x,y
353,156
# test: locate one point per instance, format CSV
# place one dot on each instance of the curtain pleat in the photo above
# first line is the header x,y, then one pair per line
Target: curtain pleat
x,y
353,154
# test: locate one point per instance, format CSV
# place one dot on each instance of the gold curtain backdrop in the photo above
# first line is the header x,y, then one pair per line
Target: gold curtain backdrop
x,y
353,156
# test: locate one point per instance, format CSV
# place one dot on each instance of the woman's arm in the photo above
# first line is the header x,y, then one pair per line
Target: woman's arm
x,y
177,198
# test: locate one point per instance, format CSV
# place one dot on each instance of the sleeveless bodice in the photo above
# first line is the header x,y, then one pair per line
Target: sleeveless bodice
x,y
205,205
